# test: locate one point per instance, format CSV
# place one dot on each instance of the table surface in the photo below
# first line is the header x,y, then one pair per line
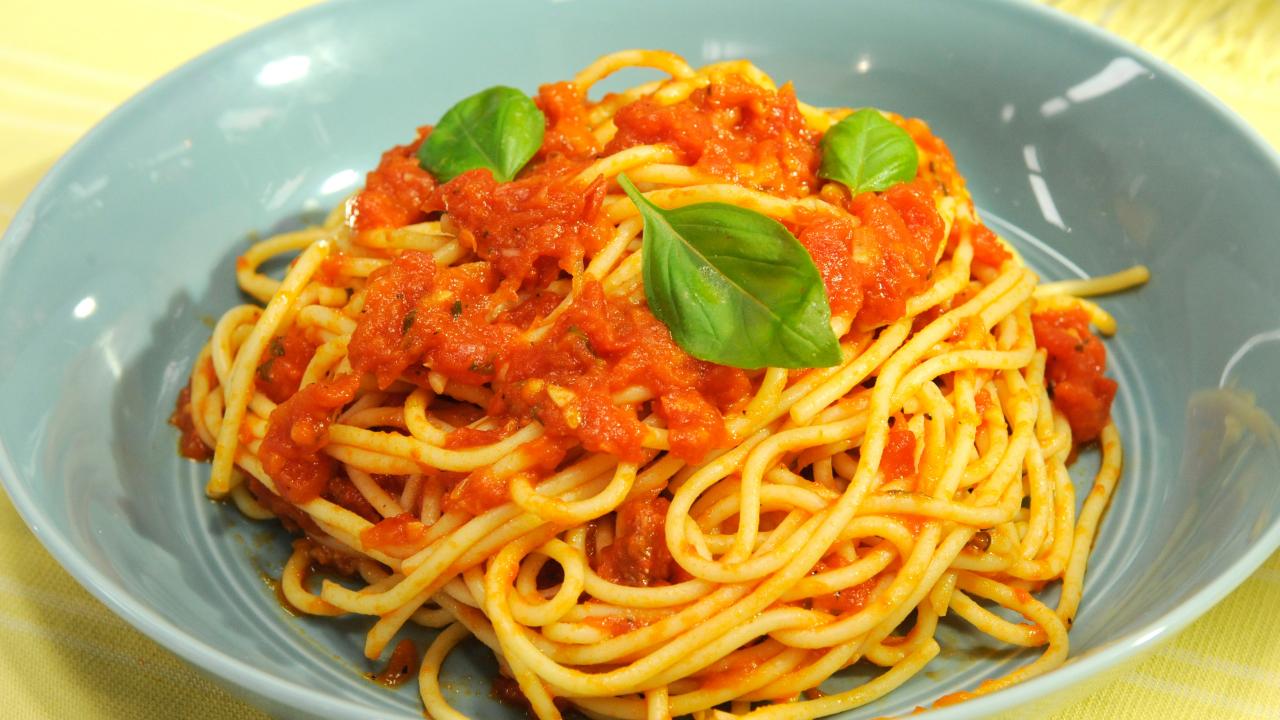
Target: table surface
x,y
64,64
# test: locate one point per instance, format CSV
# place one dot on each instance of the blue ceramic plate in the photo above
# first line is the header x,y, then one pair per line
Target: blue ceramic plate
x,y
1088,154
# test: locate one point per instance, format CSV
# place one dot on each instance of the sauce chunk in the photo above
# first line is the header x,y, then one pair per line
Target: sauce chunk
x,y
1074,370
296,433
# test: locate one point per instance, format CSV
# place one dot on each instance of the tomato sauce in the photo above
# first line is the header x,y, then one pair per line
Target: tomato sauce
x,y
401,667
847,600
568,134
638,555
894,248
987,250
465,437
189,443
397,193
287,356
731,672
981,402
1074,371
477,493
381,343
341,491
293,519
399,536
872,265
732,129
507,691
899,457
468,322
829,242
296,432
615,624
913,523
954,698
531,229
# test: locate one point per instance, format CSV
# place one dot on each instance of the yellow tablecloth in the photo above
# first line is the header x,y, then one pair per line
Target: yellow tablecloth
x,y
66,63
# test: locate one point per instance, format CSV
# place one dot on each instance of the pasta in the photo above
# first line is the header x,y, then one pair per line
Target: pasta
x,y
460,399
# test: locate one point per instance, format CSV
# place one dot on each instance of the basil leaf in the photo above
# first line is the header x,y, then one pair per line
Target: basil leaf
x,y
865,151
499,128
733,286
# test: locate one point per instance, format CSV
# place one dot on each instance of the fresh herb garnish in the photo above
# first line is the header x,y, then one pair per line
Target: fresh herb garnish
x,y
733,286
407,323
457,308
867,152
499,129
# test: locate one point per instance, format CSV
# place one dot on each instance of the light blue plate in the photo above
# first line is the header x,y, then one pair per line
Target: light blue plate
x,y
1087,153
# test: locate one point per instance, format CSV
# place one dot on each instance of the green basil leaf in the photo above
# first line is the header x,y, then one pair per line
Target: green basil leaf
x,y
865,151
733,286
499,128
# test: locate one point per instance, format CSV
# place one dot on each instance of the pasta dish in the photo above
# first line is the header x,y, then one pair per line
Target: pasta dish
x,y
682,400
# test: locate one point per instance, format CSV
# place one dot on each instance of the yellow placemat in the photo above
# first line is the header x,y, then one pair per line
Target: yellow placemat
x,y
66,63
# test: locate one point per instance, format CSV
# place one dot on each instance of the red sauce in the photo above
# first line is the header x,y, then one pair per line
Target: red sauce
x,y
568,133
693,424
277,589
399,536
954,698
478,493
189,443
397,193
731,674
930,143
331,559
638,555
987,250
381,343
601,345
285,361
401,667
507,691
894,248
456,414
546,453
289,515
530,229
418,314
899,457
616,624
297,431
465,437
342,491
981,402
829,241
1074,371
847,600
870,267
467,322
728,124
913,523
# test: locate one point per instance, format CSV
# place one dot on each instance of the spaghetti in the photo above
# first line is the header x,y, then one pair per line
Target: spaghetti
x,y
459,399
